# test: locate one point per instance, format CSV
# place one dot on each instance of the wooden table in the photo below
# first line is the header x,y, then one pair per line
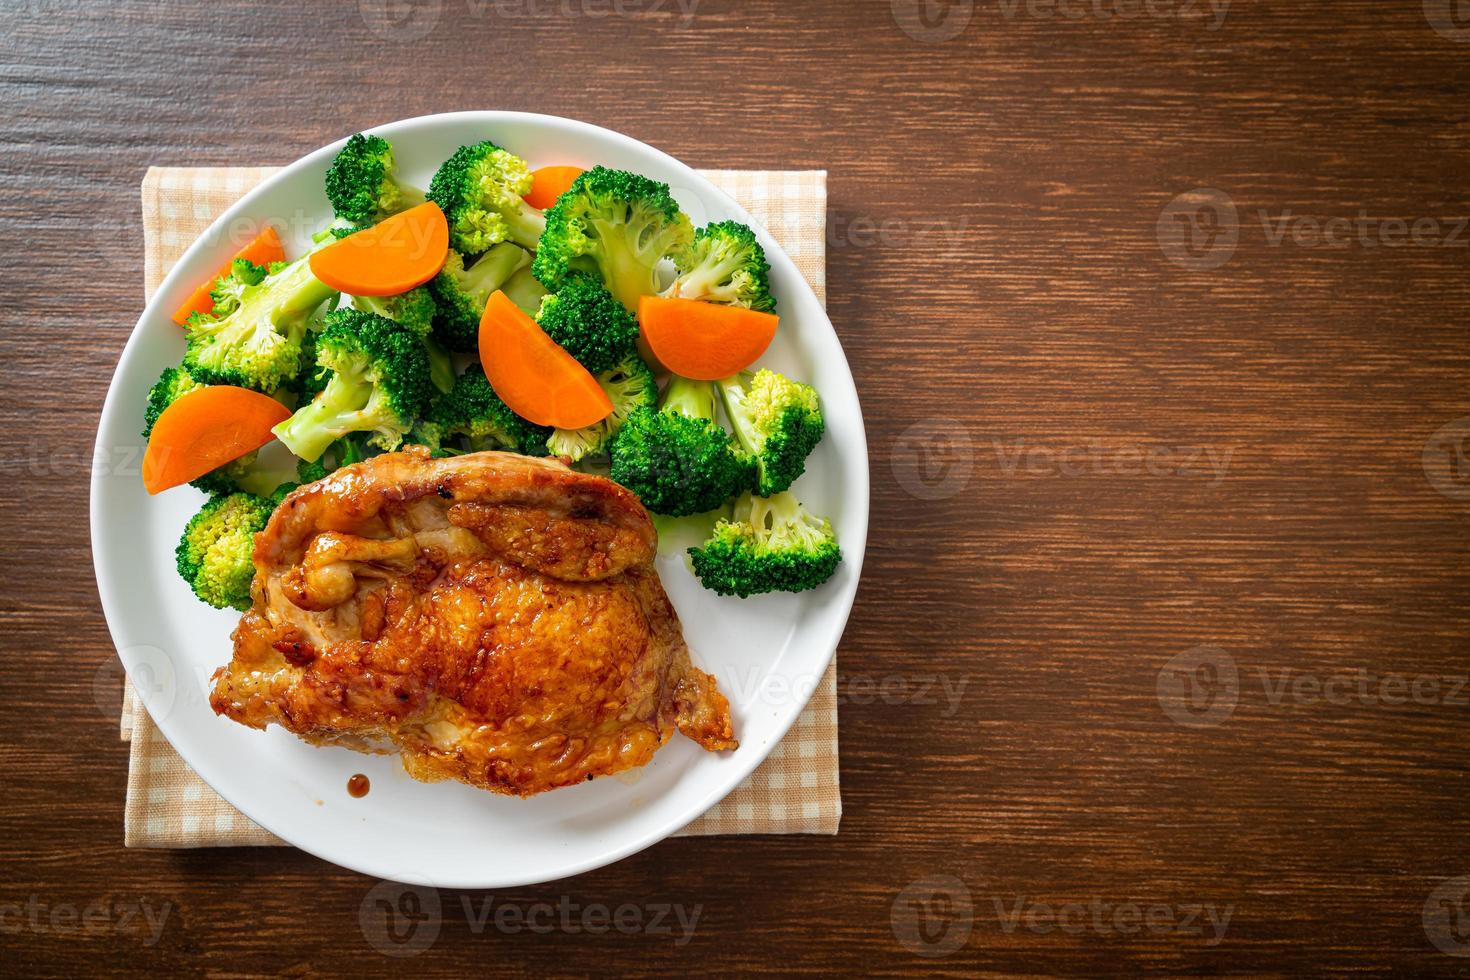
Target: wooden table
x,y
1160,329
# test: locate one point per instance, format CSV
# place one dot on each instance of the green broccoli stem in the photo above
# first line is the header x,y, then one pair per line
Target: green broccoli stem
x,y
782,522
263,482
409,197
627,276
732,396
703,278
767,514
299,292
524,290
525,224
493,269
327,418
696,399
441,366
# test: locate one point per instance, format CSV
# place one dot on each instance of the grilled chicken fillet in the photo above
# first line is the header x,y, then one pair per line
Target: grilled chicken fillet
x,y
493,618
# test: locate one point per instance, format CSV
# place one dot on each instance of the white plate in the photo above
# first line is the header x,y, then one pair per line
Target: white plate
x,y
767,653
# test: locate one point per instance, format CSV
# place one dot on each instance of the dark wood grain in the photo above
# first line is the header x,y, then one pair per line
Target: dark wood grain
x,y
995,262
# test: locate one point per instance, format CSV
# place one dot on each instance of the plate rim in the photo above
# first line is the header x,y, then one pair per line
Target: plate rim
x,y
855,531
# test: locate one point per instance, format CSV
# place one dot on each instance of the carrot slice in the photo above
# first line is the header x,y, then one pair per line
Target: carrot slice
x,y
391,257
532,374
263,250
703,341
550,183
205,429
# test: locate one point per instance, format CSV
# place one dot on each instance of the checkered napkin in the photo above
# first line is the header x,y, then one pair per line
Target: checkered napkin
x,y
795,791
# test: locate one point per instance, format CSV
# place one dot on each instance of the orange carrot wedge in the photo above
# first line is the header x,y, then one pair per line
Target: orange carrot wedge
x,y
205,429
265,249
550,183
532,374
703,341
391,257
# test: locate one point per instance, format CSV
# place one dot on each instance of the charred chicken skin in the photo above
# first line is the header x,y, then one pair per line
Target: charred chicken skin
x,y
493,618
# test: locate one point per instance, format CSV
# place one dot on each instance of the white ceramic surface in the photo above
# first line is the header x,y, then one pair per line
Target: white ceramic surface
x,y
767,653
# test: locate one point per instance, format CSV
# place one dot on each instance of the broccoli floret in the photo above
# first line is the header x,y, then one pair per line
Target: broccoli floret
x,y
379,385
313,471
413,309
616,224
724,264
258,343
678,460
460,294
525,290
769,545
631,386
778,423
361,185
174,382
230,287
480,189
216,553
589,323
474,412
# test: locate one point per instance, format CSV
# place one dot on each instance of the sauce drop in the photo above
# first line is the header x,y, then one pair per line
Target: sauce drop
x,y
358,786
